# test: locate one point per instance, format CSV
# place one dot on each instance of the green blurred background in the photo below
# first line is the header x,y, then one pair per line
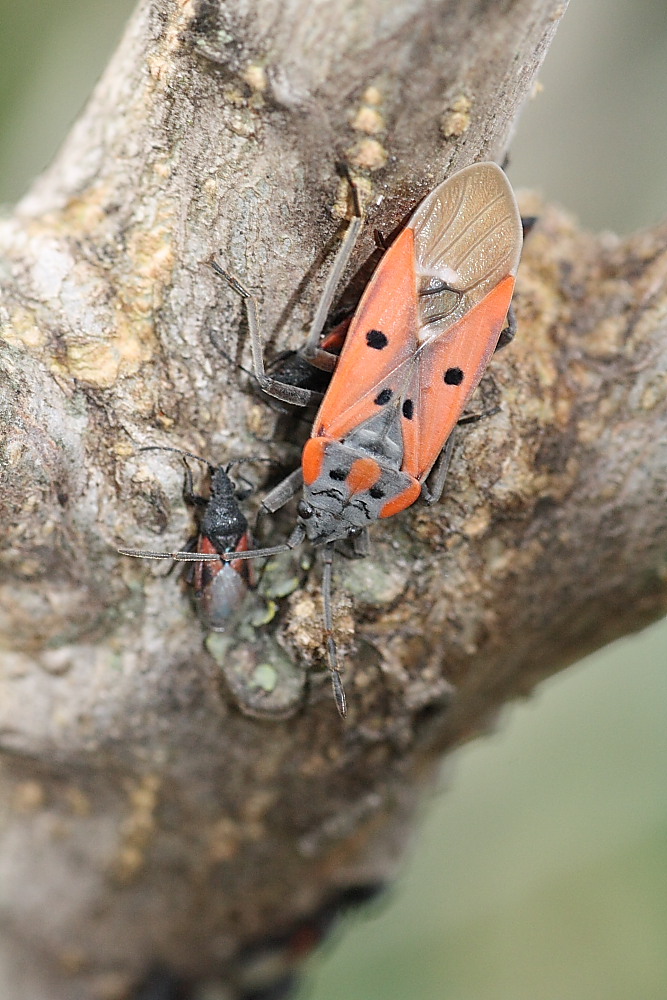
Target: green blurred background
x,y
542,873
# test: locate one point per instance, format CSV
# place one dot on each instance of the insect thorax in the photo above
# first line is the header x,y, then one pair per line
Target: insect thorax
x,y
223,521
355,480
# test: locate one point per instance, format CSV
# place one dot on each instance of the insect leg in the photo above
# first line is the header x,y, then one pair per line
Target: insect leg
x,y
312,351
432,493
189,494
332,655
178,556
283,492
357,547
280,495
527,224
287,393
473,418
188,571
361,544
507,335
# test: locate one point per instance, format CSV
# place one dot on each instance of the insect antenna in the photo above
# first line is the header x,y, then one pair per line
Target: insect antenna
x,y
260,460
176,556
332,655
178,451
250,487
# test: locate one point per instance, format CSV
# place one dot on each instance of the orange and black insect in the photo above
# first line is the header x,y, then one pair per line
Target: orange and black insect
x,y
219,587
426,326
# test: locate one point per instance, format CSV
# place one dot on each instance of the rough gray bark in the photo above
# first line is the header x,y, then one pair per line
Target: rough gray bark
x,y
145,816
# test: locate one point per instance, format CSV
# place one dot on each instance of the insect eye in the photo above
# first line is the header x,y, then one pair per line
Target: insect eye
x,y
376,492
304,510
354,532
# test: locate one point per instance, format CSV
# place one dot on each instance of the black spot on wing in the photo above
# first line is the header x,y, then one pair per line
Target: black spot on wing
x,y
383,397
377,339
339,474
453,376
408,409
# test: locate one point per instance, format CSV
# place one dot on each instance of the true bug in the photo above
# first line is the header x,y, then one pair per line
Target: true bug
x,y
219,586
425,328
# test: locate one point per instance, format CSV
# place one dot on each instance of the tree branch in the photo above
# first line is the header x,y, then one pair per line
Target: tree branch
x,y
154,820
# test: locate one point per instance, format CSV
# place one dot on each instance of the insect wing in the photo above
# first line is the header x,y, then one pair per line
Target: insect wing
x,y
449,370
382,336
431,316
221,587
468,239
468,236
